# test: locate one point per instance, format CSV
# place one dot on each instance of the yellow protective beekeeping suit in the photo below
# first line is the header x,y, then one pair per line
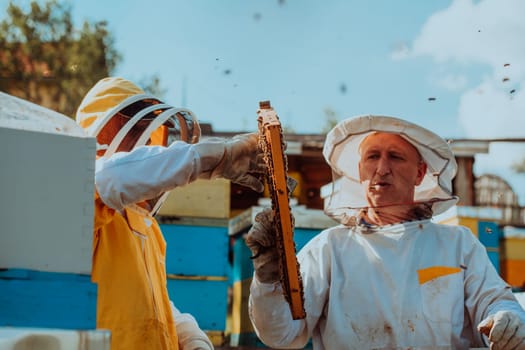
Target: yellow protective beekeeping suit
x,y
128,266
128,247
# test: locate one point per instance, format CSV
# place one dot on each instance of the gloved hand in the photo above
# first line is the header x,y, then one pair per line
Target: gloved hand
x,y
236,159
261,241
507,331
196,344
191,337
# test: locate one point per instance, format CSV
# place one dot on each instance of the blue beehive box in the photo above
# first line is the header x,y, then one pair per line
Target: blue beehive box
x,y
198,269
308,223
47,300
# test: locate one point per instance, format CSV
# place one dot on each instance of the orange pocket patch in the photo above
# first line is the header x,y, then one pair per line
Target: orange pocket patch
x,y
425,275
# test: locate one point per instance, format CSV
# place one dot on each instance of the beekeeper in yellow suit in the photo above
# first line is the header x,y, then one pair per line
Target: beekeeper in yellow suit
x,y
144,149
387,277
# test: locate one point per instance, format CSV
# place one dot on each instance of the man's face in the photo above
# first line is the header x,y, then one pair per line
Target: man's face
x,y
390,168
110,130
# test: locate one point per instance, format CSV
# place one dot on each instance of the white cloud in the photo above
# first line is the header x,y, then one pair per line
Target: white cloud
x,y
400,51
491,111
488,33
452,82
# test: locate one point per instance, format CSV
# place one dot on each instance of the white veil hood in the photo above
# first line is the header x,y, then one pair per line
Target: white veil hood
x,y
341,151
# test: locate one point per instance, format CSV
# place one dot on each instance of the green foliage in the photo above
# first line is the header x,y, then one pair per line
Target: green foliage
x,y
519,167
45,60
288,129
151,85
331,120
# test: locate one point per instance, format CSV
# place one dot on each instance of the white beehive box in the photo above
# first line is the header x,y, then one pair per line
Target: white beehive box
x,y
41,338
47,179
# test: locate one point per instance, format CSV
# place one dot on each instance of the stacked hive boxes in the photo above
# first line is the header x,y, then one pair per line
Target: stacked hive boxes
x,y
198,273
483,222
196,223
47,182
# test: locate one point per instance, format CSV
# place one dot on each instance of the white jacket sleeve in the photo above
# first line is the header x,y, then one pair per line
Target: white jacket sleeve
x,y
191,337
145,173
270,313
271,317
485,292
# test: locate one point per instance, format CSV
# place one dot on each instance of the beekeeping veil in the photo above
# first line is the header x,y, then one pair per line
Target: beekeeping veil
x,y
115,97
341,150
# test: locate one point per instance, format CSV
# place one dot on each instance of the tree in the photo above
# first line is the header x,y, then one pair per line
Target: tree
x,y
151,85
331,120
519,166
45,60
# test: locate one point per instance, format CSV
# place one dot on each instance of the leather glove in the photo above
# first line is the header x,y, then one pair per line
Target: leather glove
x,y
505,330
261,241
236,159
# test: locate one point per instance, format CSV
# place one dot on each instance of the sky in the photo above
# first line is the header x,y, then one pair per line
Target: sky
x,y
456,67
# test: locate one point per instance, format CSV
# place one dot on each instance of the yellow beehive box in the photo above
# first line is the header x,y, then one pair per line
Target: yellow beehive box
x,y
513,259
202,198
514,242
514,248
468,216
513,272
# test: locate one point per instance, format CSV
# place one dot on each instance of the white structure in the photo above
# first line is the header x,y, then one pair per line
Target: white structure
x,y
47,339
47,181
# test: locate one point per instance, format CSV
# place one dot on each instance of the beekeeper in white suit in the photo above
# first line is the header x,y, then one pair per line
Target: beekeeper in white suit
x,y
388,277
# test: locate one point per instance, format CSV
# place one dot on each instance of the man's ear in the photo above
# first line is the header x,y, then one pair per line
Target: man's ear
x,y
421,171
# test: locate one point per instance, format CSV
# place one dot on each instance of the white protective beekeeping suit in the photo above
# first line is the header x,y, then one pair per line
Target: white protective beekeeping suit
x,y
411,285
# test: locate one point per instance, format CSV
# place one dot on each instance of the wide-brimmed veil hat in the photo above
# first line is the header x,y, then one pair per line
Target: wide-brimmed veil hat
x,y
341,151
113,98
